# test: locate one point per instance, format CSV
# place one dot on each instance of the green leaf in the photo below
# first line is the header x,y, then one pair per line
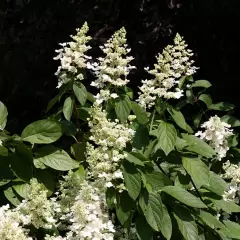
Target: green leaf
x,y
124,208
68,128
47,179
222,106
227,206
198,146
190,97
202,83
197,119
136,158
210,220
194,166
234,122
56,158
167,136
157,180
21,168
179,119
206,99
144,231
123,108
184,196
3,116
12,197
157,215
234,229
68,108
80,92
140,113
186,223
216,184
78,151
22,189
3,151
42,132
141,137
132,179
182,181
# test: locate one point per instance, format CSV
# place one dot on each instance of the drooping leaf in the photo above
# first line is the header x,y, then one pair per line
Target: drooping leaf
x,y
222,106
234,122
157,215
206,99
42,132
234,229
216,184
3,116
68,128
197,119
184,196
201,83
186,223
141,137
22,189
167,136
80,92
21,167
123,108
210,220
136,158
179,119
198,146
189,95
124,208
12,197
132,179
140,113
3,151
194,166
68,108
144,231
157,180
56,158
78,151
227,206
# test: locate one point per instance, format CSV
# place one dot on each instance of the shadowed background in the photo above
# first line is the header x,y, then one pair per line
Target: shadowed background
x,y
30,31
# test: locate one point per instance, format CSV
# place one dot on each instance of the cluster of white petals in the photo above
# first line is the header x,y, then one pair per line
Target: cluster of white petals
x,y
73,58
37,208
232,173
88,216
111,138
216,134
104,95
107,133
171,65
114,67
11,225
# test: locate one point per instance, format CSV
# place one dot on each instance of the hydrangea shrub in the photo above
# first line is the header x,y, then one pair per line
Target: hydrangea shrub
x,y
160,165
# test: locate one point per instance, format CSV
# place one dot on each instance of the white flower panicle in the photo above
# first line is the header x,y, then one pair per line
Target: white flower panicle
x,y
106,133
11,225
172,64
111,138
103,96
114,67
232,173
37,208
89,216
72,56
216,134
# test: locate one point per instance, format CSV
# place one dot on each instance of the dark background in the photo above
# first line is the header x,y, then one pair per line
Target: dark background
x,y
30,31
